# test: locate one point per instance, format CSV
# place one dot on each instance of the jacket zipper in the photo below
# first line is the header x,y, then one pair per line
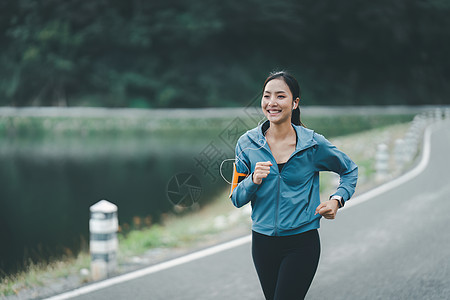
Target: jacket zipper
x,y
279,183
279,191
278,194
278,204
279,187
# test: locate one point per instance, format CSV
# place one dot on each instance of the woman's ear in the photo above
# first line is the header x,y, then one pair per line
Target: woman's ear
x,y
296,101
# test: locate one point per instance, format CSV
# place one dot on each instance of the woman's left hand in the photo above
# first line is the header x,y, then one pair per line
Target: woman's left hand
x,y
328,209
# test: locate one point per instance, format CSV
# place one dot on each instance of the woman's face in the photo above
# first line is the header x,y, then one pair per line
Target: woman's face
x,y
277,103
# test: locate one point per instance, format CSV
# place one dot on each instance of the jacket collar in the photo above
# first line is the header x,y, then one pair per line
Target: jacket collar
x,y
305,137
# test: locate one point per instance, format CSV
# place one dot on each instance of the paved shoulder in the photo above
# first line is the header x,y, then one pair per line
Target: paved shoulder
x,y
395,246
226,275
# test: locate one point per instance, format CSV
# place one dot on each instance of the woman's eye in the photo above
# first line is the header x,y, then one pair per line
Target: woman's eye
x,y
281,97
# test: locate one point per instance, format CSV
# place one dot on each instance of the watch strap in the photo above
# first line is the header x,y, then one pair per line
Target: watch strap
x,y
339,199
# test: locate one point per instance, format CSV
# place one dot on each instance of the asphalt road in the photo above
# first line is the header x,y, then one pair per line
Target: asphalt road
x,y
395,246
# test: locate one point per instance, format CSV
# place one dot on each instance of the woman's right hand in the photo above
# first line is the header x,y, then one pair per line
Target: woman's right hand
x,y
262,169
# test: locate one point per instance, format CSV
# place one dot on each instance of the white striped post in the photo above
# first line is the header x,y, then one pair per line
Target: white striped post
x,y
399,152
411,143
382,162
430,117
438,115
103,226
447,113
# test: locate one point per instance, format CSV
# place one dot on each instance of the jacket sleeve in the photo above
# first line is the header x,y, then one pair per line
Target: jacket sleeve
x,y
246,189
329,158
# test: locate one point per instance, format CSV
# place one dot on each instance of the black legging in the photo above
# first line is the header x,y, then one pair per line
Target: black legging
x,y
286,264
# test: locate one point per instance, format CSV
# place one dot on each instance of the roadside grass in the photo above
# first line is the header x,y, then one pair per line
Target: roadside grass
x,y
198,226
194,225
38,275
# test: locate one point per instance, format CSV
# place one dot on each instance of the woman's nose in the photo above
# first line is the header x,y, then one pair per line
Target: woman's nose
x,y
272,101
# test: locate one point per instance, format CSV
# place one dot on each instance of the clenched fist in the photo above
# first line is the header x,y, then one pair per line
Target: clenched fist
x,y
327,209
262,169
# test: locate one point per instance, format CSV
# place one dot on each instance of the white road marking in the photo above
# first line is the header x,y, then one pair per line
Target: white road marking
x,y
246,239
153,269
399,180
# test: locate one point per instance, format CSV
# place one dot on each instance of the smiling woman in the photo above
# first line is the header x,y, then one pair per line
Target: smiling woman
x,y
282,185
283,85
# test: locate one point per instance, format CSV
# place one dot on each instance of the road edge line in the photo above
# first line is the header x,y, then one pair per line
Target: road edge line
x,y
153,269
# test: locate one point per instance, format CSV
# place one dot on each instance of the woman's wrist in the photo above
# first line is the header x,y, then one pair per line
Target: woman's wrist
x,y
339,200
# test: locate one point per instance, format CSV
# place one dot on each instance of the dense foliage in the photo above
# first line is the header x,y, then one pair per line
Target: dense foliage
x,y
176,53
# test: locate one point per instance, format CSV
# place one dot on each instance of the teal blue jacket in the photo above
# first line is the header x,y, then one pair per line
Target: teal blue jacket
x,y
285,202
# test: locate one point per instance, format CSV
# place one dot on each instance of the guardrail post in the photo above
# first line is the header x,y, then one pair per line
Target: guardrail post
x,y
103,226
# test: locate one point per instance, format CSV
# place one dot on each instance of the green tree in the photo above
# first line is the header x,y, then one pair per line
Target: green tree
x,y
216,53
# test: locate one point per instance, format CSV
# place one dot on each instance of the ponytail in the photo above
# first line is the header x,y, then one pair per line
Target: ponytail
x,y
295,118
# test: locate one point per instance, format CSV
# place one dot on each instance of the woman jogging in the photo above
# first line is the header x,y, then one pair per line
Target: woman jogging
x,y
280,161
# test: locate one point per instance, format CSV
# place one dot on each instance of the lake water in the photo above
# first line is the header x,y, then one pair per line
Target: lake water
x,y
49,183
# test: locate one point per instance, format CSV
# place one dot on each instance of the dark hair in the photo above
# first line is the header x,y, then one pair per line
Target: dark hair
x,y
293,87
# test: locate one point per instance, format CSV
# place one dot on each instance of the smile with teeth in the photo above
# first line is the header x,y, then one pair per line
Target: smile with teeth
x,y
274,111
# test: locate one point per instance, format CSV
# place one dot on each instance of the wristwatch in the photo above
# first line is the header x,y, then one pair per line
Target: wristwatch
x,y
339,199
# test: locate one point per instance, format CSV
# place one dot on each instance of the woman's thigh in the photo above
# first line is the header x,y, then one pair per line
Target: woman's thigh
x,y
297,269
286,265
267,259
